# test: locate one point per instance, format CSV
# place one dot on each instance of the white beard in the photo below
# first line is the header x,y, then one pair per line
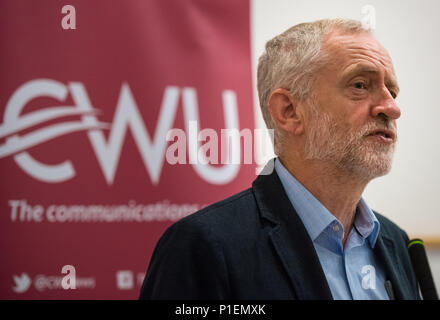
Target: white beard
x,y
349,149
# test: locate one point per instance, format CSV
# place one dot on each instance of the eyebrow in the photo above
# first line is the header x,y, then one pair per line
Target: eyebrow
x,y
390,82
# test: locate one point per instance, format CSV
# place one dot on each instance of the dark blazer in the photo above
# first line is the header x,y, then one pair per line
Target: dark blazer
x,y
253,245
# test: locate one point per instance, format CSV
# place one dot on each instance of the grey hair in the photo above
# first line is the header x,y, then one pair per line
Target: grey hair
x,y
292,59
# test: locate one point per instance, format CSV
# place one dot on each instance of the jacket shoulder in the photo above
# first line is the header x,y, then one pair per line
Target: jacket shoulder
x,y
233,209
189,259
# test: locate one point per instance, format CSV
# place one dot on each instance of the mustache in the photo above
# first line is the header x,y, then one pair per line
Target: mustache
x,y
382,125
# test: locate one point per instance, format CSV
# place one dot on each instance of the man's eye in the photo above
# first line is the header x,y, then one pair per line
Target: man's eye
x,y
360,85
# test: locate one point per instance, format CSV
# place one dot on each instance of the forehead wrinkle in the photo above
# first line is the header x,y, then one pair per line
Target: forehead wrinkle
x,y
362,52
336,43
345,51
370,54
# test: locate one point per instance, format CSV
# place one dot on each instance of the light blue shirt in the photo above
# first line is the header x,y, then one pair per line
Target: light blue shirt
x,y
352,272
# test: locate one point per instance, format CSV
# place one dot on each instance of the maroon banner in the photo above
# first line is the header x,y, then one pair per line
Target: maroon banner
x,y
90,175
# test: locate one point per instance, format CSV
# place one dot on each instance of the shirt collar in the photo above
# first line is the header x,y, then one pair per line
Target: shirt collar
x,y
316,217
366,222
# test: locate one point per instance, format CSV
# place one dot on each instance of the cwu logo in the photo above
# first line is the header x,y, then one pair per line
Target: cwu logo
x,y
127,116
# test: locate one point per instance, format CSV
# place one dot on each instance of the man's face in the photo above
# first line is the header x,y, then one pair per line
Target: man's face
x,y
352,119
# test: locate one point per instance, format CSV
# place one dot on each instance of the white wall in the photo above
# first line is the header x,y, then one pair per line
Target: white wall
x,y
409,30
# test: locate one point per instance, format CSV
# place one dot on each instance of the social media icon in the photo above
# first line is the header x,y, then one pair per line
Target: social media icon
x,y
124,280
22,283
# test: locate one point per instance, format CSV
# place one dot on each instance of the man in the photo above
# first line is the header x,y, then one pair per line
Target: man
x,y
328,90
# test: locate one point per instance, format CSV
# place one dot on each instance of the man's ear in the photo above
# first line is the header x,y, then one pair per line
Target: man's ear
x,y
285,112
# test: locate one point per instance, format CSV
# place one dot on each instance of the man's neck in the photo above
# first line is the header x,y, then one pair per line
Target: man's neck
x,y
338,190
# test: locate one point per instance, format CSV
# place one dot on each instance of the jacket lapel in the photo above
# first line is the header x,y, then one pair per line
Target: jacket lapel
x,y
291,240
385,248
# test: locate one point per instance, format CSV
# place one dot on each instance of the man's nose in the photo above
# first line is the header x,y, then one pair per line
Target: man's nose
x,y
386,105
